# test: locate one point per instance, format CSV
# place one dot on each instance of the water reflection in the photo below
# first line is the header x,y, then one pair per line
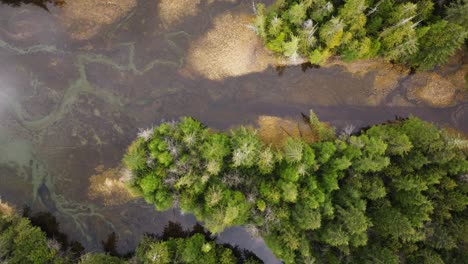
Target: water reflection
x,y
48,223
40,3
68,106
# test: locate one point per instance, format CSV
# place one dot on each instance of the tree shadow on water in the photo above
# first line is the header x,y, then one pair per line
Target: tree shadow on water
x,y
40,3
51,227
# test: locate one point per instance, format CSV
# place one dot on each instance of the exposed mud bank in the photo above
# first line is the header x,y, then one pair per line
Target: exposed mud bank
x,y
68,105
6,209
274,130
173,12
443,87
84,19
108,186
231,48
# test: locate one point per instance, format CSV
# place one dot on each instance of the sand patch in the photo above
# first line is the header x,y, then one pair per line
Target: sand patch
x,y
460,77
6,209
173,12
362,67
274,130
229,49
455,81
435,90
84,19
108,186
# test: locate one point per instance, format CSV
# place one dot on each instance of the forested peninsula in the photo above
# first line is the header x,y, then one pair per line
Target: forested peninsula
x,y
390,193
80,76
418,34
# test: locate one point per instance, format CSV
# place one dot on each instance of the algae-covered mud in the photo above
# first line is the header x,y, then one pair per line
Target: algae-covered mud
x,y
77,81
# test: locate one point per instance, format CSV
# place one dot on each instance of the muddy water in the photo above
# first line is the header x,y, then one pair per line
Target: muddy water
x,y
69,105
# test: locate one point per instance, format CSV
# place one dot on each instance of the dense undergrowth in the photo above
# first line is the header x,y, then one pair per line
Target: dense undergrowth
x,y
391,193
23,242
420,34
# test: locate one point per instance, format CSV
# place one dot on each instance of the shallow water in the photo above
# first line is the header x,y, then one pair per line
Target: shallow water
x,y
68,106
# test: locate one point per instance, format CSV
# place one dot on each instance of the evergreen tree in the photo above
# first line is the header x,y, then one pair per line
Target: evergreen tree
x,y
437,43
391,192
399,31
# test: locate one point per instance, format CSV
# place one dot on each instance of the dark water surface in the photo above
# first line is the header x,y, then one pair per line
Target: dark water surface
x,y
68,106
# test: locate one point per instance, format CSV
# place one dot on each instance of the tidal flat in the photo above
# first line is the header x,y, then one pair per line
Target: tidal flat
x,y
75,90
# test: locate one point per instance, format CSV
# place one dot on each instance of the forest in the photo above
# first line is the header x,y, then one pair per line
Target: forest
x,y
36,239
420,34
389,193
79,77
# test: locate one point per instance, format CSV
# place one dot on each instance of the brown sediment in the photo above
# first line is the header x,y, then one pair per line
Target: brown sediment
x,y
443,88
460,80
232,49
364,66
173,12
85,18
6,209
274,130
108,186
229,49
435,90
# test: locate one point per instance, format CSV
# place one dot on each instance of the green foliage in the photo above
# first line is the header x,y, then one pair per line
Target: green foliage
x,y
438,43
22,243
216,147
296,13
266,161
318,56
135,158
457,13
246,147
394,192
408,32
188,249
331,33
323,130
293,150
100,259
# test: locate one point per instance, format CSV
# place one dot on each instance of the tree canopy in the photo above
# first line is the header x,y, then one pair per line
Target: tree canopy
x,y
420,34
393,192
23,243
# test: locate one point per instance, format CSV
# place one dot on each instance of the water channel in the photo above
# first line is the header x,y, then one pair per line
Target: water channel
x,y
72,99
